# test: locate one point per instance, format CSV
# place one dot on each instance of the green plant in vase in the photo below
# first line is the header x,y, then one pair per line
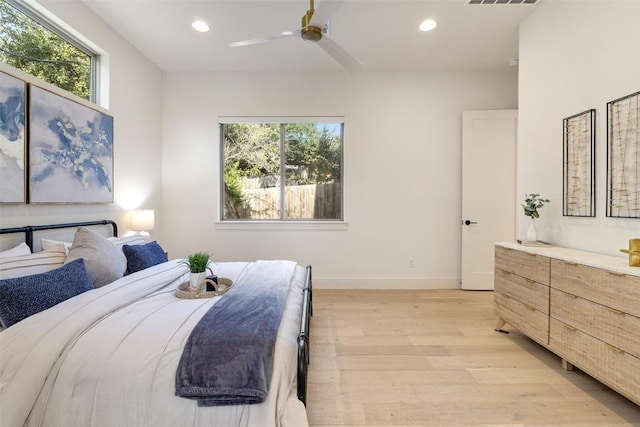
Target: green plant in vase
x,y
533,202
198,264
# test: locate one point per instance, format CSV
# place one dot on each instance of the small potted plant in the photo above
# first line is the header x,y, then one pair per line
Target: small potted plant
x,y
533,202
198,264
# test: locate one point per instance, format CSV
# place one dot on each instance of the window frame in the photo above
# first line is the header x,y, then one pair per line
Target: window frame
x,y
43,17
282,222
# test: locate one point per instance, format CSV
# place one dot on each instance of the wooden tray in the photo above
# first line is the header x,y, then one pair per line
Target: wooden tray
x,y
221,287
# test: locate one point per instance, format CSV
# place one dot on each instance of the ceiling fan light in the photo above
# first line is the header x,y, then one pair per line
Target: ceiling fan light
x,y
428,25
200,26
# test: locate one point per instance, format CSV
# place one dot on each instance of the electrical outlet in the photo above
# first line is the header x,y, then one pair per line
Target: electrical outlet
x,y
412,263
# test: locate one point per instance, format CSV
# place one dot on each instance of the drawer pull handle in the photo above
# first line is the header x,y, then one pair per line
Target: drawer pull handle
x,y
571,295
614,273
614,348
571,328
529,307
530,281
530,254
572,264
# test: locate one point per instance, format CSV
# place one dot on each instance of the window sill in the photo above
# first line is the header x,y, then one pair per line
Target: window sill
x,y
281,225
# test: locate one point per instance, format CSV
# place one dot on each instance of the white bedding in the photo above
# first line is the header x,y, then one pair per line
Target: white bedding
x,y
108,357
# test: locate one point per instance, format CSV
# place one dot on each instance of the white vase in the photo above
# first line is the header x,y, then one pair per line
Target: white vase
x,y
196,280
532,234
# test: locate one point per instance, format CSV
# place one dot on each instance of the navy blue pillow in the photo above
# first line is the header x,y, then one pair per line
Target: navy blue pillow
x,y
21,297
144,256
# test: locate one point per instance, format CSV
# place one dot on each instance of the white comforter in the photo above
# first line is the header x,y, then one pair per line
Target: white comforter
x,y
108,357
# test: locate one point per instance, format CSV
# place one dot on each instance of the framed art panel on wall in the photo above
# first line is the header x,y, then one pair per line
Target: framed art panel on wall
x,y
12,139
623,157
70,151
579,182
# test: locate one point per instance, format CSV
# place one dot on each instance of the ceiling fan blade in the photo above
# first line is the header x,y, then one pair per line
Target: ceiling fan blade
x,y
264,39
337,52
325,11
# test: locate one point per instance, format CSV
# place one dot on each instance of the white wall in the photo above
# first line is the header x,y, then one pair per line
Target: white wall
x,y
135,101
402,167
402,161
574,56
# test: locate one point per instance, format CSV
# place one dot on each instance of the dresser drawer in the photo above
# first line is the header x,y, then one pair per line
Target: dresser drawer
x,y
618,291
524,317
609,364
611,326
525,290
527,265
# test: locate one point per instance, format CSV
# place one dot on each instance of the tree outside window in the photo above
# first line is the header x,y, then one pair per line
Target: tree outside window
x,y
28,45
282,171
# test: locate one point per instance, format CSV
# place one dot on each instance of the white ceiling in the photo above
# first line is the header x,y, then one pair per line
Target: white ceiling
x,y
383,34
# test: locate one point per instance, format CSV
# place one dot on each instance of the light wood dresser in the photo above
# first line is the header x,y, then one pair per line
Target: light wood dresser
x,y
585,307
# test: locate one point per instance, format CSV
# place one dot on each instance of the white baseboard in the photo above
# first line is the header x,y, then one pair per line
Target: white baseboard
x,y
385,283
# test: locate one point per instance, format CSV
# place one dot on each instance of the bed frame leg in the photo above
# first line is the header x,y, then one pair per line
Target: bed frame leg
x,y
303,338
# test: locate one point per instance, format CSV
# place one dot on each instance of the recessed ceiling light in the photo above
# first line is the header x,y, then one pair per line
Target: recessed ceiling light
x,y
200,26
428,25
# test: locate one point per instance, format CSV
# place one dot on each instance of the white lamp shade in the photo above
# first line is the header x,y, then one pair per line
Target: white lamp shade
x,y
142,220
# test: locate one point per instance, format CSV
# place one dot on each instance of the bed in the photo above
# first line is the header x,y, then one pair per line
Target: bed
x,y
109,356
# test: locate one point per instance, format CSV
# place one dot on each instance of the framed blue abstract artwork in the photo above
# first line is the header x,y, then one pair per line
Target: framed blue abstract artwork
x,y
12,139
70,151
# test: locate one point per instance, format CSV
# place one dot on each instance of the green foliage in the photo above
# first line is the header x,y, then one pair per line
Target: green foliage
x,y
254,147
233,183
313,154
532,204
197,262
30,47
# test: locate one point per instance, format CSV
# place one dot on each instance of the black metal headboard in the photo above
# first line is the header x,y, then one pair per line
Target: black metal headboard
x,y
28,230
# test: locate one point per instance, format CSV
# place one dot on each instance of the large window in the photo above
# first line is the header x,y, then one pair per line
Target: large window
x,y
34,45
282,169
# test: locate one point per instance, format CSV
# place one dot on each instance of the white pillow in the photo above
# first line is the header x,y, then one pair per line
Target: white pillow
x,y
21,249
103,260
46,244
39,262
134,239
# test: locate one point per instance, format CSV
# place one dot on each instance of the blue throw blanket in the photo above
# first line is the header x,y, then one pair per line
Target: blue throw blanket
x,y
228,358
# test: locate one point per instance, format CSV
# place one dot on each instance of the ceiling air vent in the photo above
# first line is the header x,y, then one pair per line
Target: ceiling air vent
x,y
502,1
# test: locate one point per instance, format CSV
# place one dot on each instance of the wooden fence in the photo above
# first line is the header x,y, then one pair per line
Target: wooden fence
x,y
314,201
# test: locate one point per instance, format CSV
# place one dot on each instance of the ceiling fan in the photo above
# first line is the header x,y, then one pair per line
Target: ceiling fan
x,y
313,30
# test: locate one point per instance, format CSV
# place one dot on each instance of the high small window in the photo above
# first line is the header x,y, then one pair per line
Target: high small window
x,y
34,45
282,170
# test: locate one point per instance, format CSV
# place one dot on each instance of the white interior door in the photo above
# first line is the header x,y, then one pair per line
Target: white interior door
x,y
488,191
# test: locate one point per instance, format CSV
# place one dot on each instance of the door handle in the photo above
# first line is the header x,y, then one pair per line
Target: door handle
x,y
468,222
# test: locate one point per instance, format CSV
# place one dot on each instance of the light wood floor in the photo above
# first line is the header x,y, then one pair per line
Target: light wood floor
x,y
432,358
